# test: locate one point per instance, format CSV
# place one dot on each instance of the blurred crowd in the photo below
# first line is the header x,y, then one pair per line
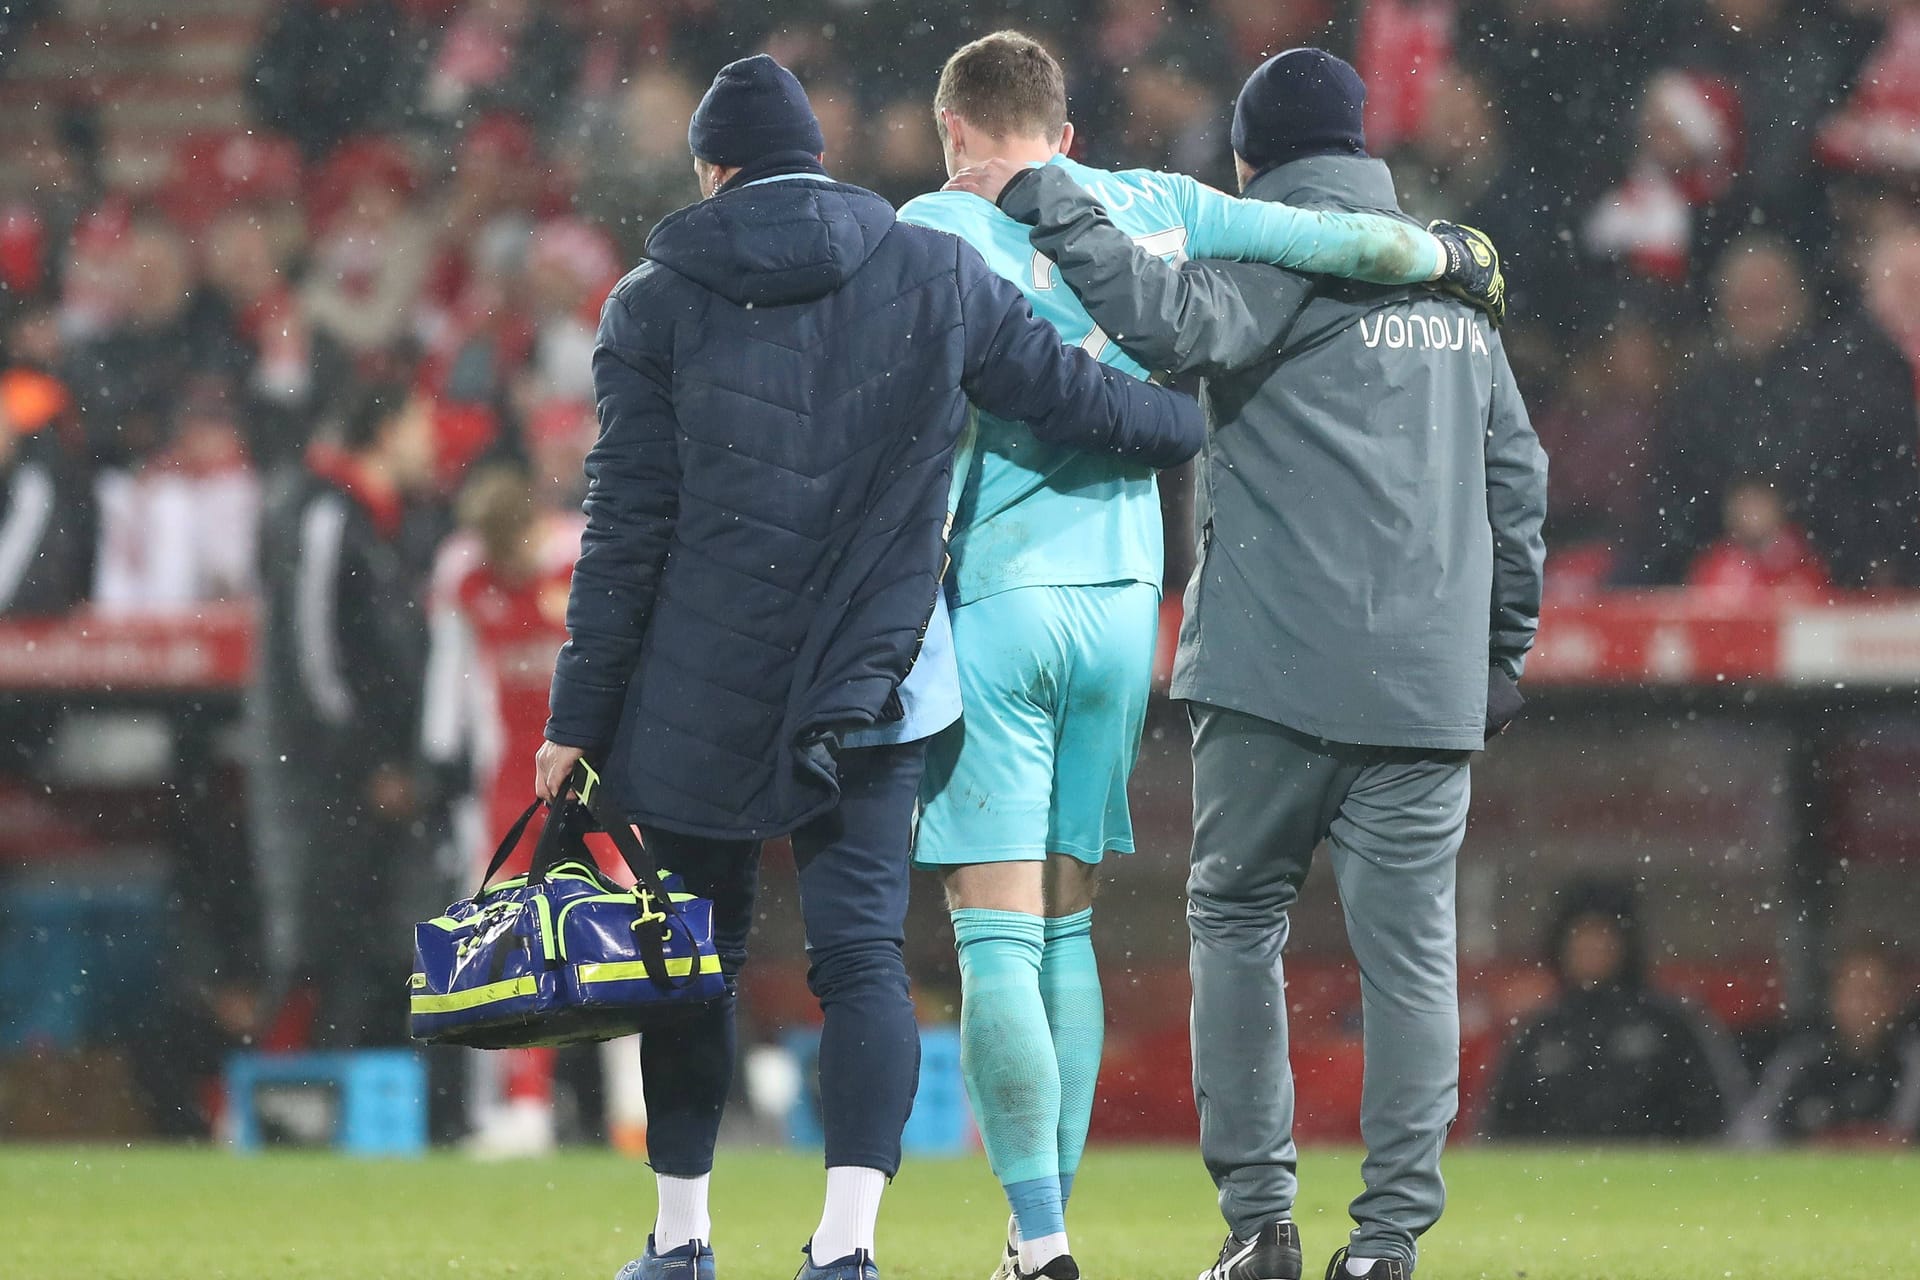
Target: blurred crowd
x,y
1708,208
1612,1056
387,287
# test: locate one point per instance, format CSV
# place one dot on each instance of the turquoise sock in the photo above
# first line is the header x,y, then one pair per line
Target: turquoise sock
x,y
1006,1056
1038,1211
1077,1019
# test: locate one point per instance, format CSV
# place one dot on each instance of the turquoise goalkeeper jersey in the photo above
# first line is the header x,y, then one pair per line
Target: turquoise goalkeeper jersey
x,y
1034,514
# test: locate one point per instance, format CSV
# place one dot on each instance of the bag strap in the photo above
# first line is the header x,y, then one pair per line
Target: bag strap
x,y
507,846
656,903
560,841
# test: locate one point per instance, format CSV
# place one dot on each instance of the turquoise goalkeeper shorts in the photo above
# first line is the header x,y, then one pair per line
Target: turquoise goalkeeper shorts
x,y
1053,690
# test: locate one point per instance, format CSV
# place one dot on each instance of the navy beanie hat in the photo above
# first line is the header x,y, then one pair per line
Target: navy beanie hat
x,y
1303,102
754,109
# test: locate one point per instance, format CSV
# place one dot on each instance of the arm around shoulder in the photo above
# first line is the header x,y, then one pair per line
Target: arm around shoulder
x,y
1352,245
1192,318
1016,367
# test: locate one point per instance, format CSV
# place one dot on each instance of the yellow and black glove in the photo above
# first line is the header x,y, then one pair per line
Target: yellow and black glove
x,y
1473,268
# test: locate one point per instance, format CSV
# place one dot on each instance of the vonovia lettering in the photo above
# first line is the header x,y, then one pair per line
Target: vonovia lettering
x,y
1423,333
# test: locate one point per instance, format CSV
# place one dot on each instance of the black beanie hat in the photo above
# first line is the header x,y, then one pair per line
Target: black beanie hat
x,y
754,109
1303,102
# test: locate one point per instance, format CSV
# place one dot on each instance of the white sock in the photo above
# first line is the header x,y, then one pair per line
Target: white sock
x,y
853,1206
1359,1266
1035,1254
683,1212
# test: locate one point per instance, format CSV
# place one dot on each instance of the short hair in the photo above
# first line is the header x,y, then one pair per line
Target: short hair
x,y
497,505
367,410
1005,84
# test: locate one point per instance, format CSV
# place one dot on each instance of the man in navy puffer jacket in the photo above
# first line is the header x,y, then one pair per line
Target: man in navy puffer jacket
x,y
781,392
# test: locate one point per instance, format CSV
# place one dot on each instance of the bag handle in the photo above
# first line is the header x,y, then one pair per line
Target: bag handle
x,y
560,841
656,903
507,845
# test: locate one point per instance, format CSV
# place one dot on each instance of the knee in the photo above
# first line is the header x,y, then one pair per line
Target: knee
x,y
1070,886
997,886
1263,902
875,966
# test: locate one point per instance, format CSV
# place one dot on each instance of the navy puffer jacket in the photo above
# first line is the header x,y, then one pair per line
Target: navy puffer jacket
x,y
780,392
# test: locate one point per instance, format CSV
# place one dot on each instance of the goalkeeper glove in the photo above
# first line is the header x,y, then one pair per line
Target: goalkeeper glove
x,y
1473,268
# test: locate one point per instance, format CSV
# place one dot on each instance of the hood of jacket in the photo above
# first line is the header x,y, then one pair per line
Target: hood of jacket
x,y
774,243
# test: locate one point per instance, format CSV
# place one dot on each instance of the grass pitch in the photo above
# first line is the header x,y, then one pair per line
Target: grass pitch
x,y
106,1213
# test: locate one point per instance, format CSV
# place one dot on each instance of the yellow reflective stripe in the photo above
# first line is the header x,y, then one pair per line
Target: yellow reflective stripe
x,y
626,970
454,1001
584,872
418,981
559,872
511,882
545,911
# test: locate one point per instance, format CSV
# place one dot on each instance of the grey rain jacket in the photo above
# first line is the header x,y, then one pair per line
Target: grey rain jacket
x,y
1371,494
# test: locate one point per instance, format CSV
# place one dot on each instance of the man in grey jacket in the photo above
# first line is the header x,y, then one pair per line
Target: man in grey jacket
x,y
1369,583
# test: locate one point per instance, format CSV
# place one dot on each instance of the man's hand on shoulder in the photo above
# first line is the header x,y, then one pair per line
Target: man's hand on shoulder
x,y
988,180
1473,268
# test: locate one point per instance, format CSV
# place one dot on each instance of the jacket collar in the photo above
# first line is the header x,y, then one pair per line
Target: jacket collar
x,y
776,165
1353,182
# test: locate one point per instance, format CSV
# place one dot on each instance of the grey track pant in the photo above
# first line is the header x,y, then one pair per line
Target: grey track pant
x,y
1264,797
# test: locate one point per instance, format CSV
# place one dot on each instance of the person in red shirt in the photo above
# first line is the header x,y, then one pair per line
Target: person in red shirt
x,y
1761,555
499,600
498,607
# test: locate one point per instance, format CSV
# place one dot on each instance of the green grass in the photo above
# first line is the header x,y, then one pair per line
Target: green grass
x,y
106,1213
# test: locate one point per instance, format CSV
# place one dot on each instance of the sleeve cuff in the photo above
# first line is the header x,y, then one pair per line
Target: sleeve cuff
x,y
583,715
561,738
1020,198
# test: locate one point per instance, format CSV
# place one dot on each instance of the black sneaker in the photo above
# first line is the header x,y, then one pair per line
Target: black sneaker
x,y
1274,1254
1061,1268
1009,1267
1382,1269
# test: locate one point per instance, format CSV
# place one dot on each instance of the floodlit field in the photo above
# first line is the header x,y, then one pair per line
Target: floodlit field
x,y
103,1213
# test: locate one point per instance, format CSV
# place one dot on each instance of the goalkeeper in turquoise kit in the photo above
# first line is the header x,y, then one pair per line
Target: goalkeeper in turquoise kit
x,y
1055,592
